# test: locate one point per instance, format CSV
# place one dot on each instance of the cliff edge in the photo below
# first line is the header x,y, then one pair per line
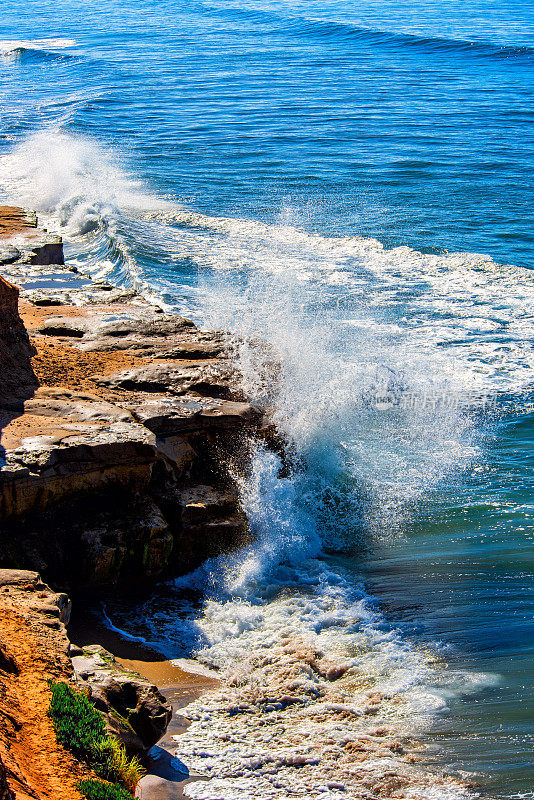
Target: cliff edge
x,y
113,415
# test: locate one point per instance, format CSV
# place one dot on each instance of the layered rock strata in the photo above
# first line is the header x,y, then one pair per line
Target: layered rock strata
x,y
111,470
18,379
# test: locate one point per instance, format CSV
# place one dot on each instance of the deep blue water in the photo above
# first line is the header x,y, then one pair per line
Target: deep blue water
x,y
278,133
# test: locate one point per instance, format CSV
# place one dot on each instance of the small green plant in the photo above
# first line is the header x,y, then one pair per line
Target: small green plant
x,y
98,790
112,762
79,727
82,730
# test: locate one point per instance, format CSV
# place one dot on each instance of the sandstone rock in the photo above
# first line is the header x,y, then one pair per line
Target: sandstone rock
x,y
43,470
46,602
65,404
179,454
84,471
137,712
213,379
46,284
229,414
64,326
152,327
124,544
204,504
22,578
14,220
194,350
18,379
188,413
209,519
139,328
147,331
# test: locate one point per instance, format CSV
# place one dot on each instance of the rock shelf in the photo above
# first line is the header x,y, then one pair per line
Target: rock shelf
x,y
113,416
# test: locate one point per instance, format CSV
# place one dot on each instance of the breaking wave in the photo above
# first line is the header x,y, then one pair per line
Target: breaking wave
x,y
338,31
81,192
429,44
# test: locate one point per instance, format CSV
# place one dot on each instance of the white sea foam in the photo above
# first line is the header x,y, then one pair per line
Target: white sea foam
x,y
463,322
472,316
320,697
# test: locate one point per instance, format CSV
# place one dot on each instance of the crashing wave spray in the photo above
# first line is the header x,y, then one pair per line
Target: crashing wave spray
x,y
319,697
379,408
314,677
81,191
72,179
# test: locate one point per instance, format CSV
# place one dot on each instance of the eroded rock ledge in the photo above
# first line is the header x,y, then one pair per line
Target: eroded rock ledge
x,y
110,468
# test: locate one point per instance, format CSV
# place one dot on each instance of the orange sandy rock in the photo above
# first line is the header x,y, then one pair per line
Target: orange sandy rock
x,y
33,648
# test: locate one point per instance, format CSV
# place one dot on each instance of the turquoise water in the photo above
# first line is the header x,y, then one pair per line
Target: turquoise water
x,y
355,185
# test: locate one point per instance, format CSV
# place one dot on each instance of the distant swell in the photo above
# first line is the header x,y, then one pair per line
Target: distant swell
x,y
344,31
340,30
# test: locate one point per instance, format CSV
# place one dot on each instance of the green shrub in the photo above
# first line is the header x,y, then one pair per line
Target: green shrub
x,y
82,730
79,727
98,790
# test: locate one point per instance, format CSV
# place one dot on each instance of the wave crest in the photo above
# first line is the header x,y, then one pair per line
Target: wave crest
x,y
35,49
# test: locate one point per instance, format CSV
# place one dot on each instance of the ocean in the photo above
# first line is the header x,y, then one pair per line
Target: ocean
x,y
352,184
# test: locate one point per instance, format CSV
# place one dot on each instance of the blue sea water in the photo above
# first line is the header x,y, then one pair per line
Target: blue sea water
x,y
353,183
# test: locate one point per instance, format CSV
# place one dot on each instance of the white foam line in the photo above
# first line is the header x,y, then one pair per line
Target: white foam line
x,y
120,631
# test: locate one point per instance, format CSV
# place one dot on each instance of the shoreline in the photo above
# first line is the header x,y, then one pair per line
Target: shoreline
x,y
112,417
112,428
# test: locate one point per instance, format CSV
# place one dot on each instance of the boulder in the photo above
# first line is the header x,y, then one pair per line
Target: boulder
x,y
136,711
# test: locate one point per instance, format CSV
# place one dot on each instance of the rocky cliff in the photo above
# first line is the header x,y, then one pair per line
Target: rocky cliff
x,y
33,650
114,416
18,379
116,419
